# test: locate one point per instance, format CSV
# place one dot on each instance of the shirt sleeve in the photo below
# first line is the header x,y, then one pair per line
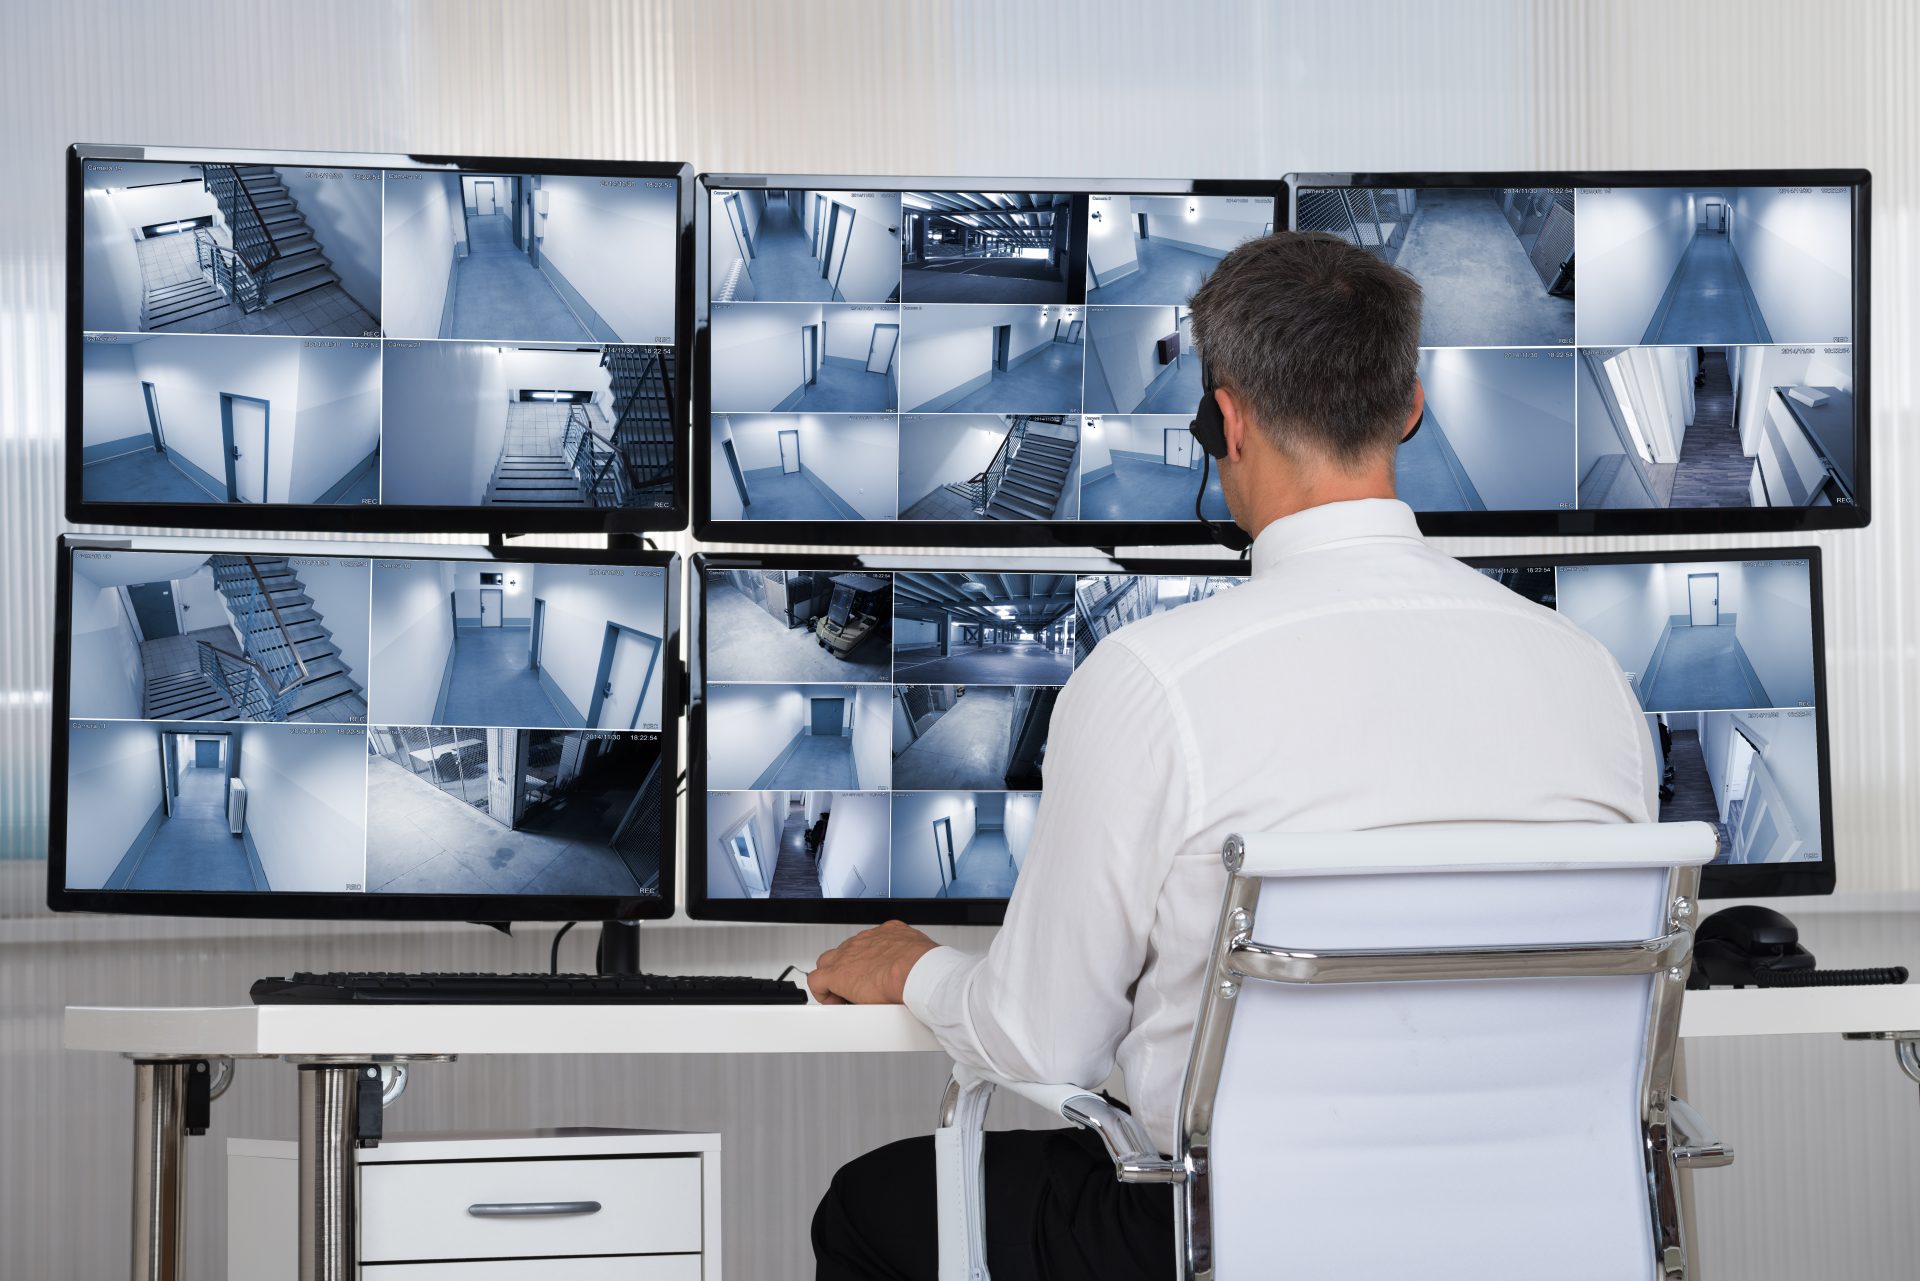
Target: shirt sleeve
x,y
1051,998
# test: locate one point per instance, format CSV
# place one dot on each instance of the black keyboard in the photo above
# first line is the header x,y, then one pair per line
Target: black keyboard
x,y
524,989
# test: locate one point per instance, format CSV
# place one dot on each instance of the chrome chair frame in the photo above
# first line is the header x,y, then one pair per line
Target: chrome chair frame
x,y
1675,1136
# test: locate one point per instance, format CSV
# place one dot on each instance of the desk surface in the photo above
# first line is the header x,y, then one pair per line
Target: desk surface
x,y
274,1030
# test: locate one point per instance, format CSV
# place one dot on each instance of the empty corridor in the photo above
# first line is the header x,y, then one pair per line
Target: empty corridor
x,y
193,848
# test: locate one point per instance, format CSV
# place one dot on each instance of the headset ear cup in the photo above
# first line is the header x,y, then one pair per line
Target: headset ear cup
x,y
1209,427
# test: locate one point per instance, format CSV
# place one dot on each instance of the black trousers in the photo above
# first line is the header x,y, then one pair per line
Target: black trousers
x,y
1054,1213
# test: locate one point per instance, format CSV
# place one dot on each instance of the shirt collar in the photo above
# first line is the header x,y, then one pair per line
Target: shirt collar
x,y
1332,525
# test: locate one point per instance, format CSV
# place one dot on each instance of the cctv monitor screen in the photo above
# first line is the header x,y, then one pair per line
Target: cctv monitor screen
x,y
955,362
867,737
1702,370
363,730
283,340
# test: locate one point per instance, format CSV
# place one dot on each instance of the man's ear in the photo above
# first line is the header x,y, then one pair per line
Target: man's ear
x,y
1233,418
1419,408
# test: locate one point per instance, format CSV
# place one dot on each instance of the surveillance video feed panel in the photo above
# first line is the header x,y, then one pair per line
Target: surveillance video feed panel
x,y
979,363
869,742
1708,373
281,339
1726,657
342,731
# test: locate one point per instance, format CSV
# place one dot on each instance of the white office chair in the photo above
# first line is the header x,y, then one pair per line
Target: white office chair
x,y
1452,1058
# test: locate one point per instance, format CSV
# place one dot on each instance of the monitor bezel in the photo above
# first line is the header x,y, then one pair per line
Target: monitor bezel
x,y
1763,880
296,905
1045,534
397,518
1662,521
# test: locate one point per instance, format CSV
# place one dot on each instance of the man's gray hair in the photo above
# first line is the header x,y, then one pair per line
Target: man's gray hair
x,y
1318,339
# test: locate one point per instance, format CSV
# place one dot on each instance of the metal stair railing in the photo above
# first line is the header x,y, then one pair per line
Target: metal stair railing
x,y
251,602
240,271
248,685
596,464
222,269
996,470
643,430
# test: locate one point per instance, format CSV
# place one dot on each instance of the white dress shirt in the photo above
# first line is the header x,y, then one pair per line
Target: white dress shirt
x,y
1360,680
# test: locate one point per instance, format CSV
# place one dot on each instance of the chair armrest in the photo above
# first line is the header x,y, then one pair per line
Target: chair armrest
x,y
1694,1144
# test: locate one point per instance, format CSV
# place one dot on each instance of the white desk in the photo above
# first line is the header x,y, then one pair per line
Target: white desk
x,y
333,1047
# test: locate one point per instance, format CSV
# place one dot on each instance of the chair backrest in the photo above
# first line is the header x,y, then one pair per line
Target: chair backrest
x,y
1372,1119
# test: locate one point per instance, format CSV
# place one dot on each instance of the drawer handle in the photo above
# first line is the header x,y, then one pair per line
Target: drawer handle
x,y
531,1209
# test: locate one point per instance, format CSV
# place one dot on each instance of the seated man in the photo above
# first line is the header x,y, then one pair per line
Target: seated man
x,y
1362,679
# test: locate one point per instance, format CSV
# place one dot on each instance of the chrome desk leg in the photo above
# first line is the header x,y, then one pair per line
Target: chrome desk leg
x,y
159,1169
329,1175
1906,1049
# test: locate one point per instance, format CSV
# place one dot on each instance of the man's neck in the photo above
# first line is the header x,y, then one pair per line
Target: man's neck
x,y
1316,489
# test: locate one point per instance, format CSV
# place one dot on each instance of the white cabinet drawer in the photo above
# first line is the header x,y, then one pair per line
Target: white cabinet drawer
x,y
654,1267
648,1205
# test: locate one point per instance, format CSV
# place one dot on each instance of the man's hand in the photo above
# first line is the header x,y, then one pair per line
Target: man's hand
x,y
870,968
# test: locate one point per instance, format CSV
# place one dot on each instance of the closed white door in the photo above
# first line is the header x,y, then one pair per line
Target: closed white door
x,y
789,452
880,349
1703,599
745,857
491,606
483,198
628,675
249,419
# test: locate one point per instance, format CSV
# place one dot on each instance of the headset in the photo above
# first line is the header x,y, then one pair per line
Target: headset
x,y
1209,428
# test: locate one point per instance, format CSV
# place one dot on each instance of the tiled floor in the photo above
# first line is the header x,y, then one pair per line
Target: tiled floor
x,y
1014,663
1479,287
795,873
942,504
783,267
786,496
422,841
965,749
1693,799
836,389
812,762
328,310
494,685
1136,490
536,427
1048,383
1712,302
985,870
181,653
497,292
193,849
1703,667
1167,276
141,477
1174,390
745,643
982,280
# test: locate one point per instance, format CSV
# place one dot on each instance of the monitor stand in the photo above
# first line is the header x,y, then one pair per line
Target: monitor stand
x,y
619,950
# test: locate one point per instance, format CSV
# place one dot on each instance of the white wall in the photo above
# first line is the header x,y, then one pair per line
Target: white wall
x,y
757,353
306,805
444,417
113,789
1121,358
870,266
940,448
850,330
411,638
610,244
909,632
1022,808
725,496
872,735
342,597
858,844
189,374
556,369
943,347
112,406
1793,758
422,211
1796,251
580,604
516,597
916,872
337,422
1097,442
1509,418
200,603
1630,242
1110,241
747,727
344,215
1775,627
1624,607
858,455
106,672
114,290
1209,224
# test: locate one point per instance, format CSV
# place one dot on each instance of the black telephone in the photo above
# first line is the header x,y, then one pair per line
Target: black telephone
x,y
1753,946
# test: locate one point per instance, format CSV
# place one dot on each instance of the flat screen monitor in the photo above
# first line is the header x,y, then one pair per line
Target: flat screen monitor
x,y
867,736
1703,369
955,361
284,340
363,730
